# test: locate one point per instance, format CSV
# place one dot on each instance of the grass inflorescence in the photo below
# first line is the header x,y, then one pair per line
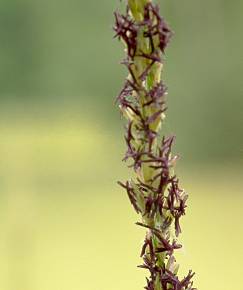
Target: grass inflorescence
x,y
155,192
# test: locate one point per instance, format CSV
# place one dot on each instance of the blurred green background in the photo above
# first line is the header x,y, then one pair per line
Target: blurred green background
x,y
64,222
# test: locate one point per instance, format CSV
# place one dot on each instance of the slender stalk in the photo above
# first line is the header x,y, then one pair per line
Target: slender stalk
x,y
154,192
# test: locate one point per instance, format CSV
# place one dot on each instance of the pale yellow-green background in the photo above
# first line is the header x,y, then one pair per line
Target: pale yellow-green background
x,y
64,222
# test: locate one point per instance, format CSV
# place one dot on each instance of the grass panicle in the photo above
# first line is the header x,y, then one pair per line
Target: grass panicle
x,y
155,192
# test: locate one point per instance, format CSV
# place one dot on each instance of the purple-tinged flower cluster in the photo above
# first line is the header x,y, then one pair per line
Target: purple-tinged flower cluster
x,y
155,193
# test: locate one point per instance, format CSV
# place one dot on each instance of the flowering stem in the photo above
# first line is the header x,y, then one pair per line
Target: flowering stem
x,y
154,192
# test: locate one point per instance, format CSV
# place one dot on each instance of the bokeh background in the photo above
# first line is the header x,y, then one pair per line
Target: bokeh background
x,y
64,222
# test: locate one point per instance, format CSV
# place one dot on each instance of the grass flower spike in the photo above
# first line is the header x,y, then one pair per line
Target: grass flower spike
x,y
154,192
